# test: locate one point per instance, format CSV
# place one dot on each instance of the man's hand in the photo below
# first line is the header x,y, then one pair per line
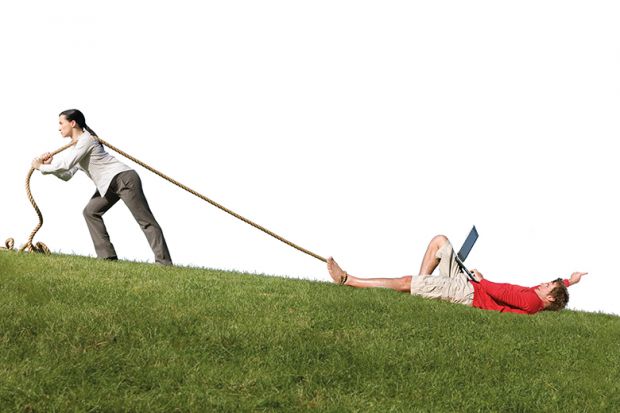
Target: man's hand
x,y
477,275
576,277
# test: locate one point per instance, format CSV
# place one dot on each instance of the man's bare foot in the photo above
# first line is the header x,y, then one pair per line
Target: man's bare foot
x,y
338,274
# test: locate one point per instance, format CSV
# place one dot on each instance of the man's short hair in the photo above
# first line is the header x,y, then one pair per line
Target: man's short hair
x,y
560,295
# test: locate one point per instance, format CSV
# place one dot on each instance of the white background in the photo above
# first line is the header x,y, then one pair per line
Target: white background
x,y
357,129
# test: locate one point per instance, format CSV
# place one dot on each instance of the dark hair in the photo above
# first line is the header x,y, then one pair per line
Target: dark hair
x,y
560,295
78,117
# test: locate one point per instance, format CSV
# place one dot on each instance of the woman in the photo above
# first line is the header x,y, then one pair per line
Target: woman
x,y
113,179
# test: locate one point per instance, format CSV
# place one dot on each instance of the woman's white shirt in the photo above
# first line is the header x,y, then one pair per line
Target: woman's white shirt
x,y
89,156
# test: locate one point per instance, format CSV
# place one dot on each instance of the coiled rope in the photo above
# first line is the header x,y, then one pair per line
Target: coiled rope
x,y
40,247
9,243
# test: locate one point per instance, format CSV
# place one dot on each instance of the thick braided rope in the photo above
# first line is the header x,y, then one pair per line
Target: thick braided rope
x,y
39,246
223,208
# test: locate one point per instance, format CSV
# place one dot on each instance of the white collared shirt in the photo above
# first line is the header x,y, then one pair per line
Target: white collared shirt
x,y
89,156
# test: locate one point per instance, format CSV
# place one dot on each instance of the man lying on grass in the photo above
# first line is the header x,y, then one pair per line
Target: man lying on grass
x,y
453,285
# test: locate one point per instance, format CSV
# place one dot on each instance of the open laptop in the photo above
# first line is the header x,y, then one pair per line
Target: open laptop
x,y
464,252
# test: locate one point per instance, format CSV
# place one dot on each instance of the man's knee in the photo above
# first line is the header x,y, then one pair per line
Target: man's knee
x,y
439,241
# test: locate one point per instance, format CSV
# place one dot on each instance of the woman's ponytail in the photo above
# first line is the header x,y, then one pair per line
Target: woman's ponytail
x,y
92,132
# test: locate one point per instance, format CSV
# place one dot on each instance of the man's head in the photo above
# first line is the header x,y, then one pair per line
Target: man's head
x,y
554,294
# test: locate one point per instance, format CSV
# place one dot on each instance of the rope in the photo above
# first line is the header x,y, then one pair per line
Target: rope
x,y
215,204
8,244
40,247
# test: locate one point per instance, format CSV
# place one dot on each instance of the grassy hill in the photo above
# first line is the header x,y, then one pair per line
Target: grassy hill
x,y
78,334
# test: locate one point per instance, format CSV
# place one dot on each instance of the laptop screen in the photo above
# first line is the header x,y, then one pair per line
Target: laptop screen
x,y
468,244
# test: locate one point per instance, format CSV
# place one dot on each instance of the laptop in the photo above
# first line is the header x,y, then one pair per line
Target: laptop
x,y
464,252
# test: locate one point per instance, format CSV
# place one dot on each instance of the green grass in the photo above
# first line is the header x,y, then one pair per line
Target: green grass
x,y
78,334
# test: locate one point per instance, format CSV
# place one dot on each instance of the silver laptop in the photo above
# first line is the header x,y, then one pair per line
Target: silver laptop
x,y
464,252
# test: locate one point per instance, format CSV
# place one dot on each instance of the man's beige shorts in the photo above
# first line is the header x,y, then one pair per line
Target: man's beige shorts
x,y
450,285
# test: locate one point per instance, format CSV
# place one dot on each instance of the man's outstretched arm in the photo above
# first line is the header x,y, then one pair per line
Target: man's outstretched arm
x,y
575,277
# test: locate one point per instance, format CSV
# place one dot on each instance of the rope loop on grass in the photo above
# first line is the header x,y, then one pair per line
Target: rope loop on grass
x,y
9,243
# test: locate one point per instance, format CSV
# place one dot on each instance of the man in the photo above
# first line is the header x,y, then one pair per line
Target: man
x,y
453,285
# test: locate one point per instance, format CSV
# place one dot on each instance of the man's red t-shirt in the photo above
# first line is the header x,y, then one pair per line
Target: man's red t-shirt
x,y
507,297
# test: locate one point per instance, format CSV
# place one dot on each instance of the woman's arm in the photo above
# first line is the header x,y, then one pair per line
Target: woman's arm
x,y
64,167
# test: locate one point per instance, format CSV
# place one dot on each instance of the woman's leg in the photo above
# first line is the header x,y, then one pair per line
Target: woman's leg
x,y
129,189
93,214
